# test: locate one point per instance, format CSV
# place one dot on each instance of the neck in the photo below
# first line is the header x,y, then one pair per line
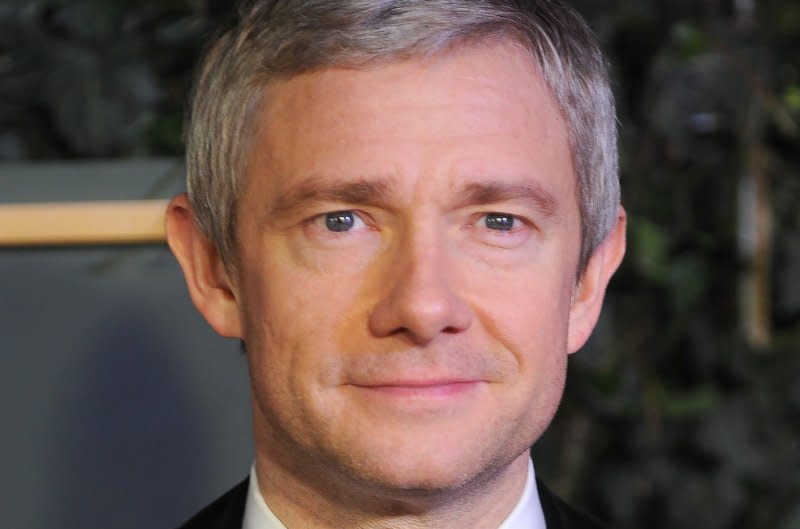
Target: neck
x,y
316,499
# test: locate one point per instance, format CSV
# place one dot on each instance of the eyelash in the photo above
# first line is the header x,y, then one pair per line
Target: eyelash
x,y
320,221
503,239
515,221
509,238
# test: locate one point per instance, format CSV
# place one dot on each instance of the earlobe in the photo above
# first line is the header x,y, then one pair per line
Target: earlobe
x,y
208,282
590,291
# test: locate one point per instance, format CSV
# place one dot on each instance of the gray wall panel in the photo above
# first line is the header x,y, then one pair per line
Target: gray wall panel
x,y
120,407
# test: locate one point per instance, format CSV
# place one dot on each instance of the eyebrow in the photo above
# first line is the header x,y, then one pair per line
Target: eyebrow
x,y
321,189
377,191
488,193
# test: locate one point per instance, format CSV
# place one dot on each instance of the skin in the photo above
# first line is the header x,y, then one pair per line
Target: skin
x,y
402,369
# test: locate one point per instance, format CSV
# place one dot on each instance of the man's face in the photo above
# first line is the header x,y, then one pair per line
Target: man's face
x,y
408,239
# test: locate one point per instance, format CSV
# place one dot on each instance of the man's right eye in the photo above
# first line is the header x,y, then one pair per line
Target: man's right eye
x,y
341,221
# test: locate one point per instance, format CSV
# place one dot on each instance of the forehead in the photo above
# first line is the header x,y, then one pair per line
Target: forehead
x,y
476,108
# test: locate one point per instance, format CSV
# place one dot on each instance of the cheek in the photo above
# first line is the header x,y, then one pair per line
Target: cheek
x,y
293,324
525,306
286,352
533,337
528,320
538,339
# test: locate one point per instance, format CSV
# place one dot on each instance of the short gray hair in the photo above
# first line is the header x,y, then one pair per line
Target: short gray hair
x,y
281,38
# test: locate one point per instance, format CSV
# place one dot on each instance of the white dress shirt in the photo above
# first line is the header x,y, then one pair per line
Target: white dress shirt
x,y
527,514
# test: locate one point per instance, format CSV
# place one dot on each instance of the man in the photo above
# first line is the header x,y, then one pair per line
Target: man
x,y
408,211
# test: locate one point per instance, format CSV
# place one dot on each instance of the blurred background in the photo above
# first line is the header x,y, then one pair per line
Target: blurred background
x,y
120,408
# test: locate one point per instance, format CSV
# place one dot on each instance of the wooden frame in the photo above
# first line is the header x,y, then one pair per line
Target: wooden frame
x,y
82,223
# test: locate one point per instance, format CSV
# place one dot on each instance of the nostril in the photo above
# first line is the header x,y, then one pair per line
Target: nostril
x,y
419,300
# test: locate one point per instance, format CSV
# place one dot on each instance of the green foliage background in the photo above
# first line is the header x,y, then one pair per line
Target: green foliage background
x,y
676,415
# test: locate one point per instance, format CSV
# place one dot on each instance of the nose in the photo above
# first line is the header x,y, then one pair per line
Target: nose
x,y
418,300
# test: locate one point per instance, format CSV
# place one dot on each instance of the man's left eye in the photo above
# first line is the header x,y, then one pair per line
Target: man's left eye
x,y
500,221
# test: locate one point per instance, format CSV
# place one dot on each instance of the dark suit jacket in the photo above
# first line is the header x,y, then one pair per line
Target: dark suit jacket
x,y
228,511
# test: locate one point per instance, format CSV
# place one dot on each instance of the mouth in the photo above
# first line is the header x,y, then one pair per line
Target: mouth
x,y
421,389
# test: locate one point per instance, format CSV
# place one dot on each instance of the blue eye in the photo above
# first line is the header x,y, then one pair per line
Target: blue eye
x,y
499,221
340,221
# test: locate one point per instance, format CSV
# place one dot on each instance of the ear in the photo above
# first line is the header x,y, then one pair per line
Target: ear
x,y
587,299
209,285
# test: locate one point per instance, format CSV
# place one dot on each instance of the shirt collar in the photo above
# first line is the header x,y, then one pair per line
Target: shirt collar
x,y
527,514
256,513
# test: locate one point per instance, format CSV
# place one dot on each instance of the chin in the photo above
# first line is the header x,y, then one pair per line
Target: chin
x,y
417,467
413,481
